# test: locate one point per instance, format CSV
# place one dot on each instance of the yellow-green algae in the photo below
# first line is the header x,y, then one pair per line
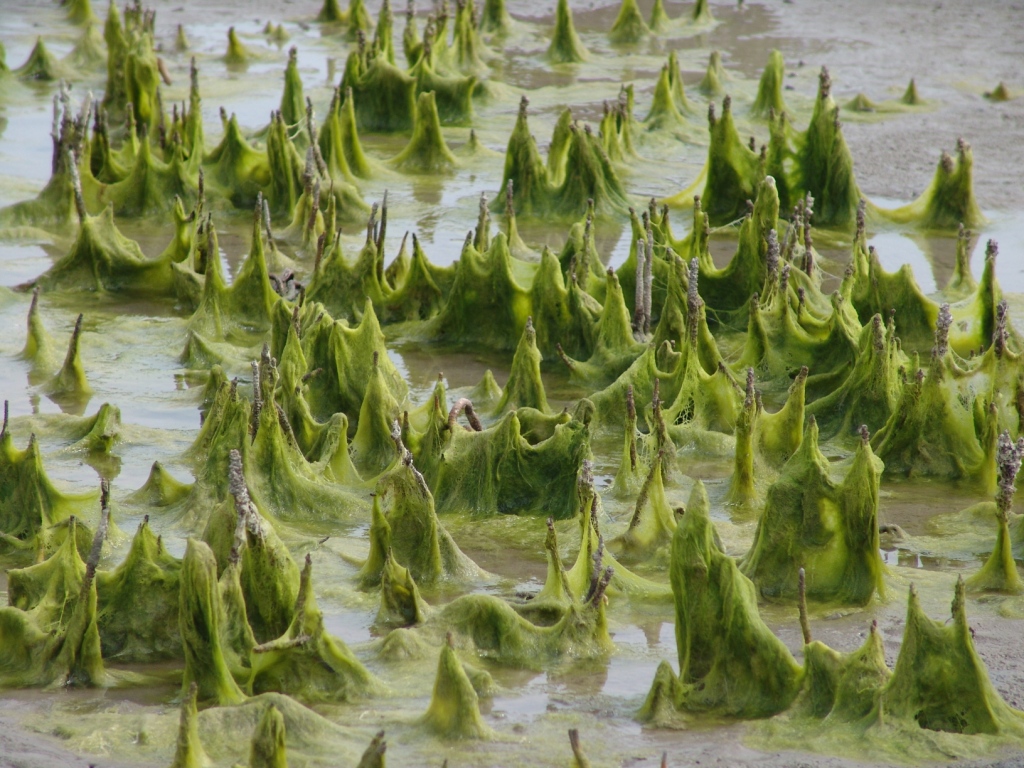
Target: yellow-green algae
x,y
454,711
828,529
999,573
305,661
730,663
566,46
50,629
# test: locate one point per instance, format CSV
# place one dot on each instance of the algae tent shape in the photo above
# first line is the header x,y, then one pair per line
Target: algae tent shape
x,y
138,602
374,446
734,171
730,662
825,163
103,259
412,533
837,544
566,46
384,97
345,355
426,151
665,113
940,683
51,645
499,471
40,65
932,430
769,89
485,286
731,287
525,388
949,200
496,631
305,661
29,502
653,522
999,572
454,710
629,25
840,687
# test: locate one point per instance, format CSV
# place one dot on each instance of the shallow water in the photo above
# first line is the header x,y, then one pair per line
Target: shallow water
x,y
130,350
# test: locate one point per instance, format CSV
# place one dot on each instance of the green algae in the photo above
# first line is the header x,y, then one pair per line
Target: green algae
x,y
374,447
267,749
932,429
400,601
939,681
237,53
405,528
498,471
769,88
837,547
733,170
62,202
88,52
578,169
670,102
305,661
999,94
949,201
653,522
494,629
426,151
999,572
30,505
51,638
525,387
201,616
720,637
236,167
103,259
764,441
826,166
188,750
384,97
41,65
181,41
566,46
711,84
629,25
137,607
454,710
495,18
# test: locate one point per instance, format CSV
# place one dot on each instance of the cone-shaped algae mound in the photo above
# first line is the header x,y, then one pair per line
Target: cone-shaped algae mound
x,y
939,682
138,602
49,632
769,89
566,46
426,151
829,529
409,528
454,711
30,504
306,662
730,663
201,615
629,25
267,749
999,573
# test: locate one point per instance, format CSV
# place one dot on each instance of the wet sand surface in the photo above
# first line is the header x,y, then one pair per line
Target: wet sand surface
x,y
955,50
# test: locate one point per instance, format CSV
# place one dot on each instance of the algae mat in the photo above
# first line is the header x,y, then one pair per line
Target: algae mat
x,y
308,589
